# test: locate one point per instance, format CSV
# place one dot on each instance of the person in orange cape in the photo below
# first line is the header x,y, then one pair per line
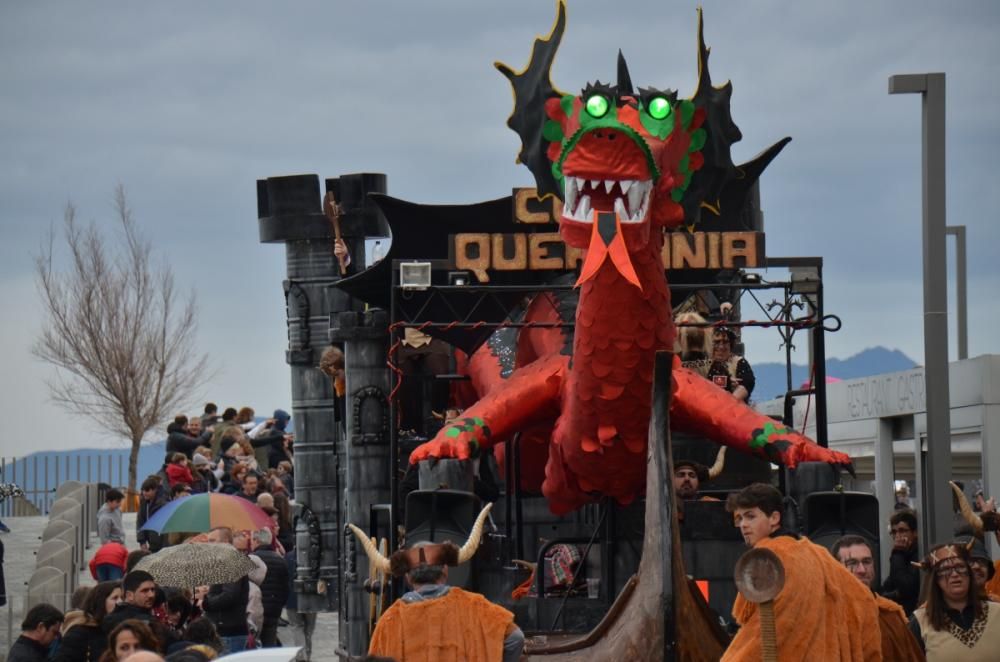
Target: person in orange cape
x,y
822,613
435,622
898,642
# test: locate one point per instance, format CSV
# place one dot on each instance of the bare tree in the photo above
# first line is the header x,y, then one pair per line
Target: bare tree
x,y
121,340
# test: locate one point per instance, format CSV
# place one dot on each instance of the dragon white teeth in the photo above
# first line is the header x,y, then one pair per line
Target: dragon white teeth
x,y
594,183
583,211
626,184
580,183
571,192
636,193
620,210
608,185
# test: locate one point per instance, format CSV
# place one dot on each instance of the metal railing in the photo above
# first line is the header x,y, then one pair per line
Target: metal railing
x,y
40,475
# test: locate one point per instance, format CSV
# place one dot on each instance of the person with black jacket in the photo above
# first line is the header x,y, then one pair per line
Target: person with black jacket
x,y
139,589
179,441
274,588
83,637
151,501
38,630
903,583
226,606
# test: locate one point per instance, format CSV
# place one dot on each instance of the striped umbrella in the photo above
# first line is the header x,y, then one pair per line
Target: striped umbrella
x,y
204,512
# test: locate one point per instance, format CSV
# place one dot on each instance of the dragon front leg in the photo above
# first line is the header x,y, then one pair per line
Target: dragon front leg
x,y
529,396
700,407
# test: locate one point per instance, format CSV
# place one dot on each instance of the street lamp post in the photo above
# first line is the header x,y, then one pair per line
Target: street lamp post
x,y
936,495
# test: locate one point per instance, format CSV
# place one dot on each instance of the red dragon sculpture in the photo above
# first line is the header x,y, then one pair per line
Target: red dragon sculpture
x,y
628,164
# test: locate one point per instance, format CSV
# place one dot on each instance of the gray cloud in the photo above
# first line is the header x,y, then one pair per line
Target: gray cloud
x,y
188,103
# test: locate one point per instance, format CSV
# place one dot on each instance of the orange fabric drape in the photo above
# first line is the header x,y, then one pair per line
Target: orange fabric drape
x,y
993,586
458,627
898,643
822,613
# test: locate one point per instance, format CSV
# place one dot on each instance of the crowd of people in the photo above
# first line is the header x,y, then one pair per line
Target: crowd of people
x,y
127,612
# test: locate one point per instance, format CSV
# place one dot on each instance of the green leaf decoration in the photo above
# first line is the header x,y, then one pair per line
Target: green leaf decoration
x,y
478,421
567,104
685,164
677,194
552,131
761,436
698,137
687,112
452,432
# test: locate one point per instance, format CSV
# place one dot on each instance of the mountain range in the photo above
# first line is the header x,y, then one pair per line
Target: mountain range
x,y
771,380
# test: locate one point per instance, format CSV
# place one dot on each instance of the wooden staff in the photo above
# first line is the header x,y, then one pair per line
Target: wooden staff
x,y
332,211
760,576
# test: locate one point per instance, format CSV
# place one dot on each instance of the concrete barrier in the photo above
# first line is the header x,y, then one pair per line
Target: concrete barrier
x,y
60,555
93,499
60,530
81,492
47,584
71,510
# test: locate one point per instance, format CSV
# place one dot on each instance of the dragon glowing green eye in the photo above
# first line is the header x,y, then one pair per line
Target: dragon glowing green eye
x,y
659,108
597,106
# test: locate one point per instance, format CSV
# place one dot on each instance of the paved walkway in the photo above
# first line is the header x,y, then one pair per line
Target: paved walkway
x,y
23,541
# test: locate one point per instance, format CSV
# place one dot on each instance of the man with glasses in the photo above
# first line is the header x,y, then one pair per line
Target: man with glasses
x,y
898,642
903,583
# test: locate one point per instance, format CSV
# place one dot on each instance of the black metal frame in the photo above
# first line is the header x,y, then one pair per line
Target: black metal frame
x,y
777,314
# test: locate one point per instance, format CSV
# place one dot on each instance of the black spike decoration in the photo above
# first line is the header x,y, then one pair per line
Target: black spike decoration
x,y
532,88
719,179
624,78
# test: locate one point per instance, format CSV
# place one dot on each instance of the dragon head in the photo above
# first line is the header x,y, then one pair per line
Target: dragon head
x,y
626,162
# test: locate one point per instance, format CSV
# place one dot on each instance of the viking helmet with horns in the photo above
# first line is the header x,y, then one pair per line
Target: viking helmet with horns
x,y
942,553
405,559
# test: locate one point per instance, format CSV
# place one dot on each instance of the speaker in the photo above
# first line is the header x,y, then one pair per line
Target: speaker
x,y
440,515
829,515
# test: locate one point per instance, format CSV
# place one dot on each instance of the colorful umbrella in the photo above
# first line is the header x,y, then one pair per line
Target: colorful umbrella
x,y
188,566
204,512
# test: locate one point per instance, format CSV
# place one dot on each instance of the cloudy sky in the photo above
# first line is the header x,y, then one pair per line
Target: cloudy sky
x,y
187,104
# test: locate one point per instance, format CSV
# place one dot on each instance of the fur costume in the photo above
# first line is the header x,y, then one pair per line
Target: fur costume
x,y
822,613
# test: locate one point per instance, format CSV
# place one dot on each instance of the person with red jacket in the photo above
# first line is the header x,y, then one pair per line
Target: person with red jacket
x,y
178,471
109,562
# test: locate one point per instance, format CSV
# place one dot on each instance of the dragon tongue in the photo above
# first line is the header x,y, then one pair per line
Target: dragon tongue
x,y
607,242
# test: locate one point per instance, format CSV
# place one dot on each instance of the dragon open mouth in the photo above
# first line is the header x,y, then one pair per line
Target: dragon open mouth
x,y
629,198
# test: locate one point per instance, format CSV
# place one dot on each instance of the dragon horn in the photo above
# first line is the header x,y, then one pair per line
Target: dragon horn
x,y
527,565
472,544
624,79
720,462
963,504
376,557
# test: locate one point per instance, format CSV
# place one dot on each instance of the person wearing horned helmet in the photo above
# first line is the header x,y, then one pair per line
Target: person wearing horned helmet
x,y
435,621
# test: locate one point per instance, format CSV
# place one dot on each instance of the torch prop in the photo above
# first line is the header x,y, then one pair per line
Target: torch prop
x,y
332,211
